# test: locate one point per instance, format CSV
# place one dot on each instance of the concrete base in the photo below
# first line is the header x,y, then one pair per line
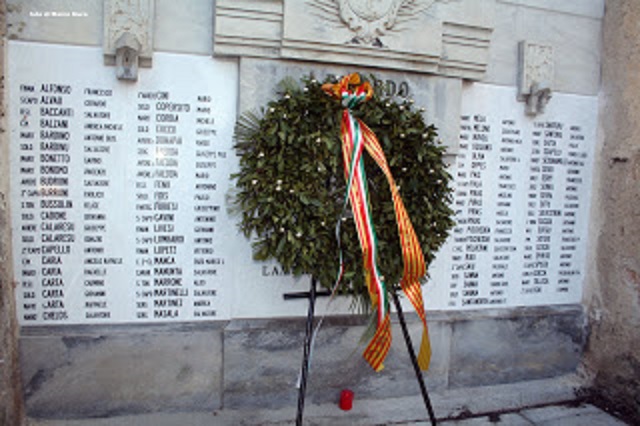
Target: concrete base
x,y
250,365
98,372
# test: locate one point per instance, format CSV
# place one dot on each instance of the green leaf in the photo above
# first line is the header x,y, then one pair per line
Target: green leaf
x,y
280,246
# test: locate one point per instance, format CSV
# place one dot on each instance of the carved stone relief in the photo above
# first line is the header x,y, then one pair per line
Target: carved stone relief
x,y
449,38
535,79
130,20
369,20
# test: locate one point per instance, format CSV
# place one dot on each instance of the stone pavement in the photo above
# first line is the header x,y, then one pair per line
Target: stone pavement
x,y
554,415
547,402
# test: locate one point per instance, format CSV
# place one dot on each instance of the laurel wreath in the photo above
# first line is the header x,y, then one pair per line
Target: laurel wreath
x,y
290,187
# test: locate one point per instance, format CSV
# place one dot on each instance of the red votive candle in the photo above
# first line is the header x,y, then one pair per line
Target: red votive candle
x,y
346,399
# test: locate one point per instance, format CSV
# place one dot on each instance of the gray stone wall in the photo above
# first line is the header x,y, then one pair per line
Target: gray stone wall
x,y
11,405
571,27
614,294
97,371
89,371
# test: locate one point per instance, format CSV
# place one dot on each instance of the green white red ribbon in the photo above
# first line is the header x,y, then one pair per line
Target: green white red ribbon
x,y
357,137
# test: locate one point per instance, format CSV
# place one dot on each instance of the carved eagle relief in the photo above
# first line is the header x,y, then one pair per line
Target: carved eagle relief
x,y
370,19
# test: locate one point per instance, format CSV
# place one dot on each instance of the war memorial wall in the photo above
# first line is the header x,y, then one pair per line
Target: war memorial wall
x,y
124,241
150,225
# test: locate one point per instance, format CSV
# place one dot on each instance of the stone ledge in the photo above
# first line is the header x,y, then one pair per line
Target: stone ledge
x,y
116,329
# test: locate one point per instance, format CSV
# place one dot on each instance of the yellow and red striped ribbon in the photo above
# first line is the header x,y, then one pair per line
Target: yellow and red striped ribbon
x,y
357,136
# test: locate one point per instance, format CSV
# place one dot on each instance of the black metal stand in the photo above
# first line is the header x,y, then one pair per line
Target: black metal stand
x,y
312,294
414,360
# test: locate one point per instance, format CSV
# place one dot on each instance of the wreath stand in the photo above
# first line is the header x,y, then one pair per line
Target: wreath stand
x,y
312,294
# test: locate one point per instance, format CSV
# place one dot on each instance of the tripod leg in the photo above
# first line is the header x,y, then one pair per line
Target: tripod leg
x,y
307,348
414,360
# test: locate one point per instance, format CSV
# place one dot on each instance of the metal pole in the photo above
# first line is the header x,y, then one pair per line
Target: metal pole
x,y
414,360
307,348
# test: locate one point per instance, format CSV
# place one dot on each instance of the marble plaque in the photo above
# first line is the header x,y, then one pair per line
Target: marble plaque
x,y
522,200
118,189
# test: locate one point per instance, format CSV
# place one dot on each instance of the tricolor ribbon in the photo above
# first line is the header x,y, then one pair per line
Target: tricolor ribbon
x,y
357,137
